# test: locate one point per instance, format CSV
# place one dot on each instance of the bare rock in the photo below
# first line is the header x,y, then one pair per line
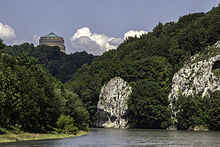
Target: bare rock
x,y
112,106
196,77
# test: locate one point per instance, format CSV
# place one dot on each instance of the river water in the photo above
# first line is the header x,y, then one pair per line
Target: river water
x,y
130,138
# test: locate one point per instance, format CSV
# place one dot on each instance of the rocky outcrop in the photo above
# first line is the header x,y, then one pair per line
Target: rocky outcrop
x,y
112,106
198,128
196,76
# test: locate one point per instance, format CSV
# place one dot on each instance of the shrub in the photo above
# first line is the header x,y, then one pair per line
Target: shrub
x,y
66,125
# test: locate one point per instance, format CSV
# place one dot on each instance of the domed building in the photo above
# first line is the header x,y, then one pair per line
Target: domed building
x,y
52,39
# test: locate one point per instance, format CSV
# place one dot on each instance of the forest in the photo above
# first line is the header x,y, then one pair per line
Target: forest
x,y
43,89
59,64
31,98
148,63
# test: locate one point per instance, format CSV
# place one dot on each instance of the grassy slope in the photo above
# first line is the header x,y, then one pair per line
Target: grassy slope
x,y
17,135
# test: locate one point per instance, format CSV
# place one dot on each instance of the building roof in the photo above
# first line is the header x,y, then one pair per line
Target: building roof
x,y
51,35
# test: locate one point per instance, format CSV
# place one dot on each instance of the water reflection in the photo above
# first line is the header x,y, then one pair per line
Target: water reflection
x,y
130,138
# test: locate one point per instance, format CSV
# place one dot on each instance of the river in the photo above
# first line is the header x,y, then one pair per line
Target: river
x,y
130,138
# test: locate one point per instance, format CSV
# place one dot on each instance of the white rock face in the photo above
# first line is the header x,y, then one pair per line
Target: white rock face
x,y
112,106
195,78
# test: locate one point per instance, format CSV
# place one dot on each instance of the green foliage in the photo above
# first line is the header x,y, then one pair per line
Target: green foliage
x,y
214,110
148,106
198,111
190,17
28,97
74,108
216,72
66,125
10,130
148,64
193,112
31,99
2,45
60,65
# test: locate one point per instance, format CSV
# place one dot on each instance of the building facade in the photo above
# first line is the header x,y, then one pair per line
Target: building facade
x,y
52,39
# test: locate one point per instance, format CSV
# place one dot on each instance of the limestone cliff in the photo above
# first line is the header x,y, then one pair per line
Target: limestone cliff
x,y
197,75
112,105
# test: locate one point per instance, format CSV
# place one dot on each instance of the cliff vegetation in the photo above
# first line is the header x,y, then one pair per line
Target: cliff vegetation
x,y
148,64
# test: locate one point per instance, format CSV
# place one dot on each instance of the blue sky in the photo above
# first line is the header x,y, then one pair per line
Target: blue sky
x,y
91,25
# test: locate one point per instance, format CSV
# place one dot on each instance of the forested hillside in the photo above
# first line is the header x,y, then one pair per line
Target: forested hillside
x,y
34,101
148,63
60,65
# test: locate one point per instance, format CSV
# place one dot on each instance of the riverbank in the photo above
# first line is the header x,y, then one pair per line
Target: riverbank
x,y
12,137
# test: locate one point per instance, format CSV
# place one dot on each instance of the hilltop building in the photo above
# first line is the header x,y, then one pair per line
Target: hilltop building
x,y
52,39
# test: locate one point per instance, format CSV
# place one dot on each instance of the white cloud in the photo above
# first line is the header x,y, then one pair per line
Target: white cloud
x,y
17,42
97,44
82,32
36,39
84,43
93,43
6,32
133,33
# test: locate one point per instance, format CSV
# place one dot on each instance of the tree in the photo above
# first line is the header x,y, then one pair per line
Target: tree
x,y
148,106
59,64
2,45
28,95
214,110
148,63
75,109
66,125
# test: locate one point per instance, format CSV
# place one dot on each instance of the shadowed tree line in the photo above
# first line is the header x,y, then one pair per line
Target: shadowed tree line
x,y
59,64
33,100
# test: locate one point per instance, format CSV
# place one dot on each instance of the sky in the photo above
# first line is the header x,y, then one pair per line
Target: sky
x,y
95,26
